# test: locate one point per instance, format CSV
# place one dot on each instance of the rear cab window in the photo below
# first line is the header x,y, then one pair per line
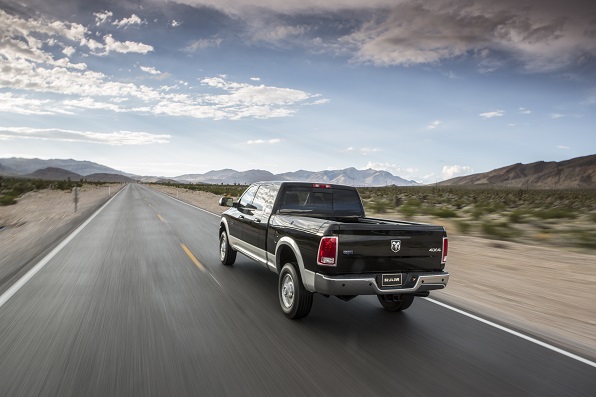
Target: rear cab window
x,y
328,201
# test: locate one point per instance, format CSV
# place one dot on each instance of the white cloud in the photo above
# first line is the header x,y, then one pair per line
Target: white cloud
x,y
90,103
117,138
320,101
102,17
451,171
68,51
150,70
278,33
259,101
19,104
126,46
366,150
255,78
363,150
263,141
556,115
133,20
524,111
202,44
175,23
92,45
433,125
490,115
563,147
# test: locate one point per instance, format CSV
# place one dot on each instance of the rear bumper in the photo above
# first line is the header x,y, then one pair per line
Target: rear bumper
x,y
367,284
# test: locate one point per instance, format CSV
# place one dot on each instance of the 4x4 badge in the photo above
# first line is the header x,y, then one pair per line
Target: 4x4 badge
x,y
395,245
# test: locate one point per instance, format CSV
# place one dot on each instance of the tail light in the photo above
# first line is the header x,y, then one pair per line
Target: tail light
x,y
444,250
327,255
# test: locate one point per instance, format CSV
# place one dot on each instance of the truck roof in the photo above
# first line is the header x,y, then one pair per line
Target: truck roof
x,y
305,183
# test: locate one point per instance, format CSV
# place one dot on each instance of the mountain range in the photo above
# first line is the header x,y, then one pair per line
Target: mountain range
x,y
347,176
76,170
574,173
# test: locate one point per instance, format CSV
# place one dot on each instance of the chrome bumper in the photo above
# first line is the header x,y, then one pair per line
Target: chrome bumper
x,y
367,284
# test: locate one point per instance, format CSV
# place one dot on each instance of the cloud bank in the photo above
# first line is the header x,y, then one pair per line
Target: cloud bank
x,y
536,35
35,59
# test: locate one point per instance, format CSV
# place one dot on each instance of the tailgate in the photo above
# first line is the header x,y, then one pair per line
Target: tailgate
x,y
389,248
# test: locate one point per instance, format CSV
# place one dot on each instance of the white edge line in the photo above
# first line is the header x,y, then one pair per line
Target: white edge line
x,y
33,271
495,325
518,334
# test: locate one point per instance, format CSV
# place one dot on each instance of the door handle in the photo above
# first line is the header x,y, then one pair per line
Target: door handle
x,y
256,220
241,217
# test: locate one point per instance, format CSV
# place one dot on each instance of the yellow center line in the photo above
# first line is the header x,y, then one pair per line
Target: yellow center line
x,y
192,258
160,218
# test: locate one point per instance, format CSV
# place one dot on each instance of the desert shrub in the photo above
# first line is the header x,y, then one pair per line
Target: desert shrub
x,y
378,206
462,226
441,212
408,210
584,239
555,213
413,202
516,216
220,190
498,230
7,200
477,212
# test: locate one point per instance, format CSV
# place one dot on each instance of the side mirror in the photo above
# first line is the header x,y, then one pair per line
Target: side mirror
x,y
226,202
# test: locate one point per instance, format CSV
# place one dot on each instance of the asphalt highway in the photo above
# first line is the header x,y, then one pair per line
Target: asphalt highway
x,y
137,304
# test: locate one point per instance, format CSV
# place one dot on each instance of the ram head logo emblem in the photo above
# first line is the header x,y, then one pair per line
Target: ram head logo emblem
x,y
395,245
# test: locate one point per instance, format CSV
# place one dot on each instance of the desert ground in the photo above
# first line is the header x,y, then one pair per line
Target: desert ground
x,y
540,291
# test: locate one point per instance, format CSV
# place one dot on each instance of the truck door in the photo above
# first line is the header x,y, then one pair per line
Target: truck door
x,y
257,220
238,216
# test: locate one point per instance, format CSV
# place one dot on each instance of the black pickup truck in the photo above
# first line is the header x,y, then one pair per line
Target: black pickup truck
x,y
318,239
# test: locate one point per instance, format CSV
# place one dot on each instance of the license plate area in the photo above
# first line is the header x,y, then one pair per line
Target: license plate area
x,y
392,280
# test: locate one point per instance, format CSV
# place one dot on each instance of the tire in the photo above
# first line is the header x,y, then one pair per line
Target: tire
x,y
392,305
227,255
294,299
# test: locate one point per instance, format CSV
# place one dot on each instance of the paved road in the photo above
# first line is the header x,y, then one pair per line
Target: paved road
x,y
123,310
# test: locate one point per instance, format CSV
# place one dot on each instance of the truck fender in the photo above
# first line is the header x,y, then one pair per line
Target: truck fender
x,y
308,277
224,225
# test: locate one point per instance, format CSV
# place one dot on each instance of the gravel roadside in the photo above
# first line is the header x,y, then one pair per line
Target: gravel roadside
x,y
39,221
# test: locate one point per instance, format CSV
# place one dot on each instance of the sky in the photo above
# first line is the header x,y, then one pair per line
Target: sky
x,y
427,90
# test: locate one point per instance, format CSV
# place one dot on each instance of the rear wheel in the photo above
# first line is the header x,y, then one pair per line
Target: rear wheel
x,y
395,303
294,299
227,255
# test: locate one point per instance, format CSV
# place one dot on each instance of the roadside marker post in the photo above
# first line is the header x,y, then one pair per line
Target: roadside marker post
x,y
75,191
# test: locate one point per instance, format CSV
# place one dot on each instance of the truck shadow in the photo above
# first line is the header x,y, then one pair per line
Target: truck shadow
x,y
362,317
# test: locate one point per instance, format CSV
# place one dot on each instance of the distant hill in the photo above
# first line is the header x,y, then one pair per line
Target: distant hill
x,y
23,166
575,173
58,174
111,178
348,176
6,170
54,174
